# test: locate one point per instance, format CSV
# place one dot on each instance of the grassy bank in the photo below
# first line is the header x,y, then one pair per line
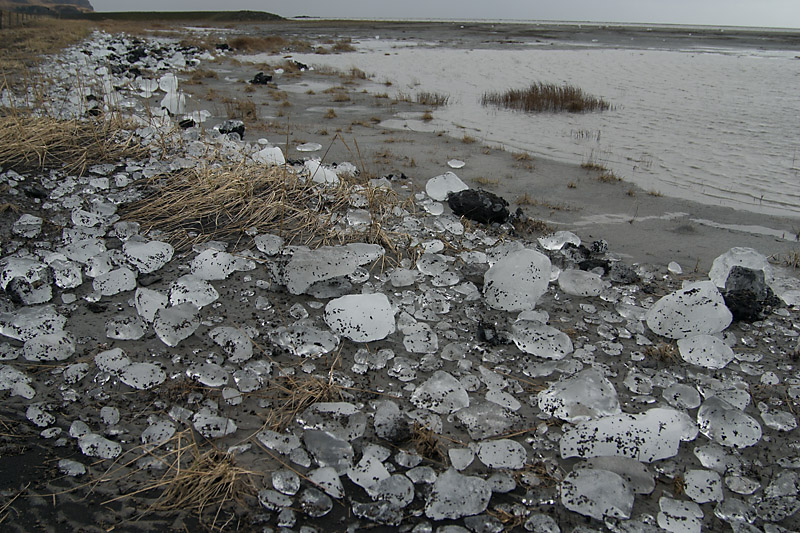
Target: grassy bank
x,y
182,16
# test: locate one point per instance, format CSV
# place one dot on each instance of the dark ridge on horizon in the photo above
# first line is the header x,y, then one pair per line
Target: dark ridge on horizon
x,y
207,16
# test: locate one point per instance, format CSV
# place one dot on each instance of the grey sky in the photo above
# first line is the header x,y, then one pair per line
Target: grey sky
x,y
771,13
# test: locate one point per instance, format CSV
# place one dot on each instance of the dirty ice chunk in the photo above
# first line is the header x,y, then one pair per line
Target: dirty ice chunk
x,y
636,475
142,376
581,397
126,328
556,241
727,425
502,453
679,516
208,374
148,302
441,393
647,437
174,324
361,317
269,244
597,493
455,496
455,163
27,226
282,443
739,256
16,381
696,309
327,262
535,338
56,346
270,156
147,257
234,342
486,419
329,450
191,289
440,186
31,270
83,249
67,274
112,361
70,467
114,282
38,414
581,283
420,338
30,322
211,425
158,432
216,265
368,473
703,486
517,281
304,340
706,351
93,445
327,479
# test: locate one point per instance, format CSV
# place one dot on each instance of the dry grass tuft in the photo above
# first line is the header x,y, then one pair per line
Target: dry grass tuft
x,y
24,47
663,351
546,97
272,44
428,444
206,482
292,395
608,177
33,143
330,113
223,202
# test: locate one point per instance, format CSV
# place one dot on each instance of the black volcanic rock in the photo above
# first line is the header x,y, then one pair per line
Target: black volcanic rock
x,y
747,293
479,205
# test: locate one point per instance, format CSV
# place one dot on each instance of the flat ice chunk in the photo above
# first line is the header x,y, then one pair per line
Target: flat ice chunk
x,y
31,270
541,340
114,282
304,340
486,419
308,147
142,376
174,324
147,257
739,256
191,289
455,163
460,458
502,453
168,83
327,479
727,425
56,346
269,244
148,302
158,432
679,516
647,437
83,249
581,283
234,342
216,265
455,496
270,156
556,241
703,486
327,262
208,374
329,450
361,317
320,173
16,381
70,467
112,361
597,493
126,328
696,309
440,186
93,445
27,226
517,281
636,475
706,351
368,473
441,393
282,443
682,396
66,274
174,102
211,425
420,338
581,397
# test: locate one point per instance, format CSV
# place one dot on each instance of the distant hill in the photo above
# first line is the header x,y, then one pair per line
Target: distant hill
x,y
48,7
181,16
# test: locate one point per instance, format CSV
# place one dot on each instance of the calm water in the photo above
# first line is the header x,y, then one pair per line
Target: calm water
x,y
717,125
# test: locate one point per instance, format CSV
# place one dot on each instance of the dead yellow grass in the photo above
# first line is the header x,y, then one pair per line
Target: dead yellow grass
x,y
33,143
221,203
292,395
23,47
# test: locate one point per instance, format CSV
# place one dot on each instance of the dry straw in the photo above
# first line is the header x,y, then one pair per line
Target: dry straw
x,y
543,97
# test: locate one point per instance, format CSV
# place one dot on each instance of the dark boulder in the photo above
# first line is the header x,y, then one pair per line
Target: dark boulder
x,y
300,66
232,126
479,205
136,54
747,293
261,79
222,47
622,273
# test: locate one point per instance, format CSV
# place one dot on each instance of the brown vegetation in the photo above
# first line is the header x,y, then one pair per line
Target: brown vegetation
x,y
544,97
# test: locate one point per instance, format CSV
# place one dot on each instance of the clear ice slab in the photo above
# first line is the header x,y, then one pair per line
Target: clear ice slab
x,y
361,317
696,309
517,281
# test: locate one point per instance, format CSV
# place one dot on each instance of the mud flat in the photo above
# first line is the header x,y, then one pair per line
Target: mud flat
x,y
217,331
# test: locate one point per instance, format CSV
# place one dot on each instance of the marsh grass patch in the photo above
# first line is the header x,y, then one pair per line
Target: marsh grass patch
x,y
546,97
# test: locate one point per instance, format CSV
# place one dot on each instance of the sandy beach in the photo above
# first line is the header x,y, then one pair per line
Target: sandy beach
x,y
231,384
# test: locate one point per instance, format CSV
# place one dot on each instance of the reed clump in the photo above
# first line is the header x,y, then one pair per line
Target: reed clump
x,y
546,97
432,98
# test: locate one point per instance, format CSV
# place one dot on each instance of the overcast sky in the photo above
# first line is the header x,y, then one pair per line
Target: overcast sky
x,y
774,13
